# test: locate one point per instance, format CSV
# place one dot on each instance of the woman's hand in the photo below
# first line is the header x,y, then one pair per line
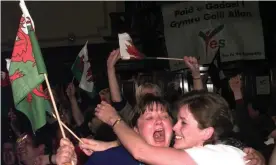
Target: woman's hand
x,y
106,113
66,153
192,64
254,157
70,91
114,56
9,156
88,146
235,84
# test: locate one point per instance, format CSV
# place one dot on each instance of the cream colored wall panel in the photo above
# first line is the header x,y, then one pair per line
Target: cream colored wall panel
x,y
54,20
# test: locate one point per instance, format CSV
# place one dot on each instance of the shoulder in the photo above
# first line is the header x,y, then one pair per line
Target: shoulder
x,y
217,154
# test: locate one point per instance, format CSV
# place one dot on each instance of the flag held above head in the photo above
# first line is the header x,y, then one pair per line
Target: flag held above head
x,y
81,70
25,73
129,51
29,25
26,13
127,48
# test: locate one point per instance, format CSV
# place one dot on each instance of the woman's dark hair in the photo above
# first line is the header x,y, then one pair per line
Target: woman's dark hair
x,y
145,101
209,110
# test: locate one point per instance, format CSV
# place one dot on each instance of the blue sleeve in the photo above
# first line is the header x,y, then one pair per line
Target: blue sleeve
x,y
119,105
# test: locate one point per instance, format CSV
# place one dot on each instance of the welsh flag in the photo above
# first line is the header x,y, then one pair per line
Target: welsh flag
x,y
127,48
82,72
26,73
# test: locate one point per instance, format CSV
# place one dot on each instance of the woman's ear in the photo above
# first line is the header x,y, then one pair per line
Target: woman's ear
x,y
207,133
136,129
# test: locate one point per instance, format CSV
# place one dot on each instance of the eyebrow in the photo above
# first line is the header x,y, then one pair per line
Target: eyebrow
x,y
182,118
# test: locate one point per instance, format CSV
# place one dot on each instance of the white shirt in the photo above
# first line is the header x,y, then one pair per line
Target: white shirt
x,y
218,154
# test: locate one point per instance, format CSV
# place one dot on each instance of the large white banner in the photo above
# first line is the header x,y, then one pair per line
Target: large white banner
x,y
199,28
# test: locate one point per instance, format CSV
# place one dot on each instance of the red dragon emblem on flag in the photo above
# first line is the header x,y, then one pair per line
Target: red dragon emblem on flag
x,y
89,76
133,51
23,52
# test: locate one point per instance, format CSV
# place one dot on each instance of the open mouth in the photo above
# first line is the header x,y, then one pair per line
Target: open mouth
x,y
159,135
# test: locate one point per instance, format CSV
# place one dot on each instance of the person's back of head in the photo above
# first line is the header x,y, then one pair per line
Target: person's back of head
x,y
147,88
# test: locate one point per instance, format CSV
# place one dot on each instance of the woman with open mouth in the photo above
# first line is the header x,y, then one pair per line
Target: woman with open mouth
x,y
203,118
194,135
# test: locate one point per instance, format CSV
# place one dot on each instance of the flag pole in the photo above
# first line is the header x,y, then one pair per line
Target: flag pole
x,y
68,129
56,111
26,13
54,105
165,58
160,58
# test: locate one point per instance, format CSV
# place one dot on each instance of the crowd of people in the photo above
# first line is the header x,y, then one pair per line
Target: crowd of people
x,y
197,127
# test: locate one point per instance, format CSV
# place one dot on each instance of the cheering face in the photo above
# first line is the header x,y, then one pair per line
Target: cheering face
x,y
8,154
155,126
187,133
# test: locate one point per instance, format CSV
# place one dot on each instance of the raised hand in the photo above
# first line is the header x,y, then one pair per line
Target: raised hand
x,y
3,75
70,91
192,64
114,56
253,157
106,113
235,84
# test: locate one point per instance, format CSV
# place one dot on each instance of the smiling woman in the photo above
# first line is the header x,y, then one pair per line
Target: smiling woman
x,y
203,119
202,111
151,124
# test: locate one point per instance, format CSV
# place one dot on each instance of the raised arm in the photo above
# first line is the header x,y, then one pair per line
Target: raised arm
x,y
13,122
115,91
136,145
76,112
247,131
192,64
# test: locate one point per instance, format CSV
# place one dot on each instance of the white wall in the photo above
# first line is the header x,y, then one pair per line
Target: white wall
x,y
88,20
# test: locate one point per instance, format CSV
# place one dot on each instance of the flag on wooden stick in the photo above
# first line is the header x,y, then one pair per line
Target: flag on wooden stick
x,y
82,72
26,73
